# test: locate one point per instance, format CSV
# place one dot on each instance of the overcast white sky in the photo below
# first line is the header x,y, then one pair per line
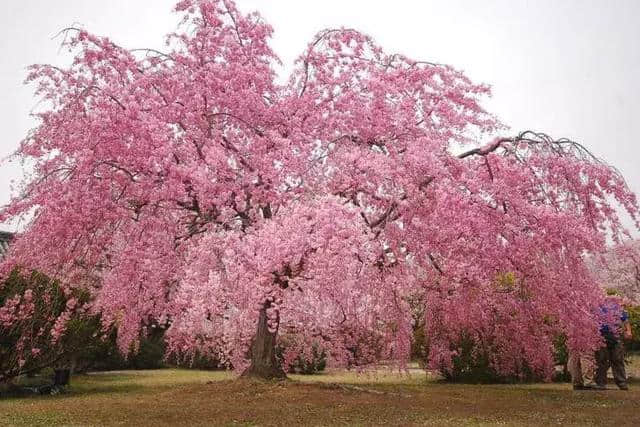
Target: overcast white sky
x,y
569,68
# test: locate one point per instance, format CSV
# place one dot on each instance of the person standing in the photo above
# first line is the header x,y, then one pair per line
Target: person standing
x,y
615,322
581,367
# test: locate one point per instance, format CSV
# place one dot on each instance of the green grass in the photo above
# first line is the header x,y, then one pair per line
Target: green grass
x,y
188,397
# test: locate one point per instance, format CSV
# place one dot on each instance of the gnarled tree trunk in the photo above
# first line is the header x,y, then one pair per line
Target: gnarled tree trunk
x,y
264,363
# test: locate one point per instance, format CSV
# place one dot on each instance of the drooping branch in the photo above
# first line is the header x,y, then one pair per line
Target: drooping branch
x,y
559,146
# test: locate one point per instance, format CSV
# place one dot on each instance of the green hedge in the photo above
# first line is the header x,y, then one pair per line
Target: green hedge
x,y
634,319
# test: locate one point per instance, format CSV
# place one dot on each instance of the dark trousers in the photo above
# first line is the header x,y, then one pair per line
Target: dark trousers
x,y
611,355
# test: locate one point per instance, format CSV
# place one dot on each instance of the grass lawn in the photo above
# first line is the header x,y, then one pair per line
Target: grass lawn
x,y
187,397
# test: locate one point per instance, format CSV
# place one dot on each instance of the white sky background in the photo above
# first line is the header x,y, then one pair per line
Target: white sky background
x,y
569,68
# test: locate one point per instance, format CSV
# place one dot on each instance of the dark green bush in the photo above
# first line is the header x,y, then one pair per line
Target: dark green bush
x,y
104,354
303,364
198,360
561,358
472,365
317,362
634,319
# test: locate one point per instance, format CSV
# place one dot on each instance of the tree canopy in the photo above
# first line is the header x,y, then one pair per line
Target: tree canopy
x,y
188,188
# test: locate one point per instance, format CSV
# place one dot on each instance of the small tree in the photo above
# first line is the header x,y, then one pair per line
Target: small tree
x,y
41,324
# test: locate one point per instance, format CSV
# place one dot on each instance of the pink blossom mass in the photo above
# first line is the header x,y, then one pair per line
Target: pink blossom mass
x,y
185,188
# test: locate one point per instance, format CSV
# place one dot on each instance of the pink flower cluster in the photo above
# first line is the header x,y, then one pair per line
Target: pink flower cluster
x,y
188,188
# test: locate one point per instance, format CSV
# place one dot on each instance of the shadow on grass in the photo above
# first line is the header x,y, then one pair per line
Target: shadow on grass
x,y
80,385
75,391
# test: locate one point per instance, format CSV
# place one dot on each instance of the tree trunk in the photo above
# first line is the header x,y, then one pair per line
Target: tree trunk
x,y
264,363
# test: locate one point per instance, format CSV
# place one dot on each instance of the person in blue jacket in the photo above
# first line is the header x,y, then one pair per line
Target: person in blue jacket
x,y
614,327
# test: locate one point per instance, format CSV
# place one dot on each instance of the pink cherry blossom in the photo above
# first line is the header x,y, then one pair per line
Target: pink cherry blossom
x,y
187,188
